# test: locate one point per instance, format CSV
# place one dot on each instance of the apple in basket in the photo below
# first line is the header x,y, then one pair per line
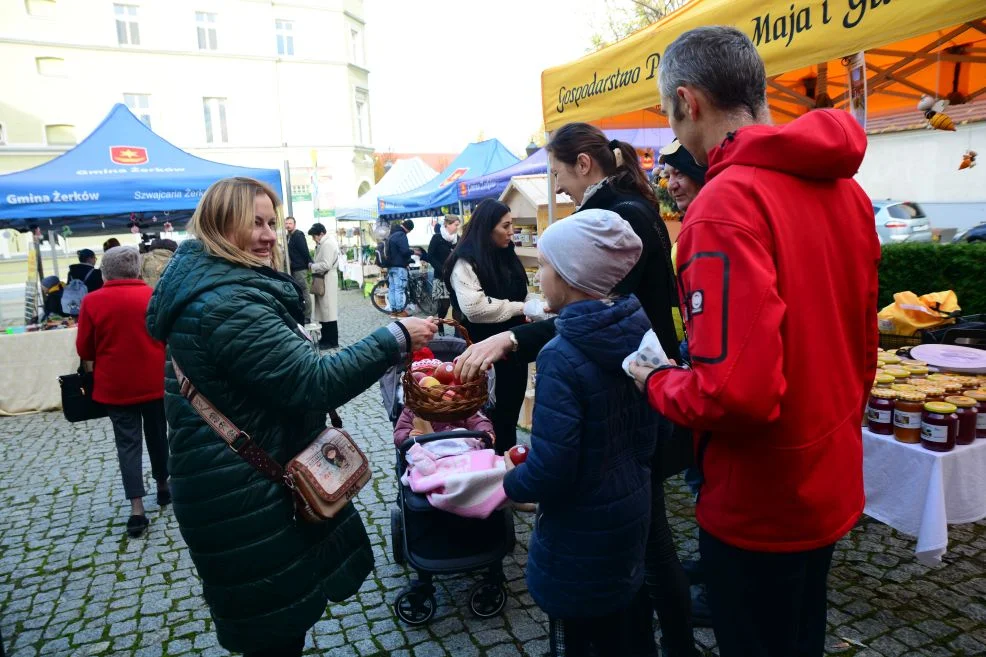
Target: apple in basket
x,y
449,394
429,382
445,373
417,376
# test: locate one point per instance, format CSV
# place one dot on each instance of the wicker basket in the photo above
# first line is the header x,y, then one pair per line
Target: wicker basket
x,y
431,403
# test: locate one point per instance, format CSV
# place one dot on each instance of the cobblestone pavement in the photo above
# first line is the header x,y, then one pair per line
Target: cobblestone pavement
x,y
71,583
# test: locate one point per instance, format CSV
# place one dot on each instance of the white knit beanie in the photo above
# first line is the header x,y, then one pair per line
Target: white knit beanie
x,y
593,250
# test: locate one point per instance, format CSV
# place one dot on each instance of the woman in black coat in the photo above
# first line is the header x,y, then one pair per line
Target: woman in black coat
x,y
439,249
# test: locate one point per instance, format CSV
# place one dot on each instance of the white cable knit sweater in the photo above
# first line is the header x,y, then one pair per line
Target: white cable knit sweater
x,y
473,301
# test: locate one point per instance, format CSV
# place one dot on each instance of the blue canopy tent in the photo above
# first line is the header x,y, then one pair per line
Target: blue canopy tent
x,y
493,184
121,173
477,160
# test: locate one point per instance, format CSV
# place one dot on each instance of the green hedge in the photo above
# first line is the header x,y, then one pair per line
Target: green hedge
x,y
924,268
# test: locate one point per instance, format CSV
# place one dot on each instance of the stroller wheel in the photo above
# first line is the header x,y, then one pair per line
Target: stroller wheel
x,y
397,537
414,607
487,599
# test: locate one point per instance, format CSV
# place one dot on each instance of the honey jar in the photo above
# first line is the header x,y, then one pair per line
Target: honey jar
x,y
980,397
965,408
939,426
908,409
880,411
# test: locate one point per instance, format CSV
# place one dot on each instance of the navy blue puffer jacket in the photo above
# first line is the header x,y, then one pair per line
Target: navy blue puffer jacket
x,y
589,466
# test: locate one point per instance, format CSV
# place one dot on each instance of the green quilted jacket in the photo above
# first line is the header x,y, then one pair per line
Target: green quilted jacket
x,y
265,577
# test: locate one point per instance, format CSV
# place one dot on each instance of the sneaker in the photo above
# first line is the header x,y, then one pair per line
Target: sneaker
x,y
137,525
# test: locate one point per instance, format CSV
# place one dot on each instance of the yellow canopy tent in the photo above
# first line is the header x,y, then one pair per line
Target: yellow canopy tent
x,y
913,48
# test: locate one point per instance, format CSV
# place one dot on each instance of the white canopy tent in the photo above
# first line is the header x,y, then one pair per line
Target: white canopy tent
x,y
403,176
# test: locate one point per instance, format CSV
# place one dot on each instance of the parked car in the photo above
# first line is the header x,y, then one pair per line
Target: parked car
x,y
901,221
974,234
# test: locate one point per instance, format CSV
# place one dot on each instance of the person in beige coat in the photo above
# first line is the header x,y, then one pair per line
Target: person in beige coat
x,y
157,257
326,264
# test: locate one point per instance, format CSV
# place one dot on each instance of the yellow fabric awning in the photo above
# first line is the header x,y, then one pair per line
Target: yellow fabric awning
x,y
912,48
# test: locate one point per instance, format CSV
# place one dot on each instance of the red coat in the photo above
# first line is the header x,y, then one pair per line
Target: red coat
x,y
777,265
129,364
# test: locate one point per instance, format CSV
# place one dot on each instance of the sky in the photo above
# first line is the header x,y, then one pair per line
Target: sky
x,y
444,71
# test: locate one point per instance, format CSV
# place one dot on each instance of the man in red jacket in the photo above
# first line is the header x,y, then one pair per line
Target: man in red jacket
x,y
128,375
777,277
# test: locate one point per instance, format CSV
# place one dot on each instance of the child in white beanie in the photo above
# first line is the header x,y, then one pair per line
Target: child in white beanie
x,y
592,441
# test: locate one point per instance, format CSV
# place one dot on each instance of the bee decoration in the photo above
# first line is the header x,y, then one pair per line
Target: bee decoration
x,y
968,160
934,111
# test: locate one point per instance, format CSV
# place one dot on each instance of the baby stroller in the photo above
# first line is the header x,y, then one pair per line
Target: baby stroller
x,y
433,542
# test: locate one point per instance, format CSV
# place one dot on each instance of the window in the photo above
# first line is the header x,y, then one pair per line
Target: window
x,y
285,37
60,134
50,66
127,28
215,120
905,211
362,118
40,8
356,38
206,25
140,105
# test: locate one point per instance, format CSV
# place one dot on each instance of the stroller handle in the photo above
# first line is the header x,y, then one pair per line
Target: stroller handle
x,y
431,437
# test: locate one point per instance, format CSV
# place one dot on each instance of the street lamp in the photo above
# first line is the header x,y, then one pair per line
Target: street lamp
x,y
532,148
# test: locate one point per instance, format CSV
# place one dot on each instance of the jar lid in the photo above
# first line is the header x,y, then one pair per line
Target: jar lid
x,y
898,372
916,369
951,386
885,378
942,408
883,393
933,391
911,396
960,401
908,361
939,377
978,395
904,387
890,359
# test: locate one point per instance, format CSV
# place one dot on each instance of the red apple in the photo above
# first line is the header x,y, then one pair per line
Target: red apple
x,y
429,382
417,376
449,394
445,373
517,454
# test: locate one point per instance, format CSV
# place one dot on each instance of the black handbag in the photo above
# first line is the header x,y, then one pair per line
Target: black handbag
x,y
77,403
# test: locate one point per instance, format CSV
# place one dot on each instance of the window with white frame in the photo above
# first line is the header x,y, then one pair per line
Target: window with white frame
x,y
356,40
50,66
140,105
205,23
362,117
60,134
127,27
40,8
216,131
285,37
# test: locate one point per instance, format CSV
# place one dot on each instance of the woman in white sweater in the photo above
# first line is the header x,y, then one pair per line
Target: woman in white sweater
x,y
488,286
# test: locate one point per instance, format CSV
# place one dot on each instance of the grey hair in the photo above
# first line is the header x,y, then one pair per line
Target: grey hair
x,y
121,262
722,62
451,219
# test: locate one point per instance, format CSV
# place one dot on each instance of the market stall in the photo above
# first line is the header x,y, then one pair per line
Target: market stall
x,y
439,193
32,363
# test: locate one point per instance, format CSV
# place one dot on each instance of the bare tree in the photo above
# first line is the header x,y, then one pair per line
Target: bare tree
x,y
623,17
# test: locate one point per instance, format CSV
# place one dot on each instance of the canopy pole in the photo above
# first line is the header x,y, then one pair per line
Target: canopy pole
x,y
54,253
460,209
551,186
287,188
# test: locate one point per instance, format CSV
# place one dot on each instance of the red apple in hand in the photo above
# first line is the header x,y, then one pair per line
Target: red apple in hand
x,y
517,454
445,373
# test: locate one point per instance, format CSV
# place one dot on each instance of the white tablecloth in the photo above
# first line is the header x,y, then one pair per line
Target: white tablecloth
x,y
919,492
30,364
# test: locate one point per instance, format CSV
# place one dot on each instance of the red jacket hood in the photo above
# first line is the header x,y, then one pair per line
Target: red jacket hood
x,y
821,145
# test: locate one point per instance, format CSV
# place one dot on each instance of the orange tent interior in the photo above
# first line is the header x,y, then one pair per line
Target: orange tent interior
x,y
949,63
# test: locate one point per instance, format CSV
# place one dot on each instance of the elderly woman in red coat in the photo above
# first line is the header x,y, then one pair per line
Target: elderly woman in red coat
x,y
128,373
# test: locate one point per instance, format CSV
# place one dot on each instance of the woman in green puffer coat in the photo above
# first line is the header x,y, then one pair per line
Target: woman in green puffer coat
x,y
230,320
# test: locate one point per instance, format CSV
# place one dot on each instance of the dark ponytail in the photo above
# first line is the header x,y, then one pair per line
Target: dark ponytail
x,y
574,138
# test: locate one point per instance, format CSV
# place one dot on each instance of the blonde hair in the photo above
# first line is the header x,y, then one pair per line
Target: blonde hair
x,y
227,208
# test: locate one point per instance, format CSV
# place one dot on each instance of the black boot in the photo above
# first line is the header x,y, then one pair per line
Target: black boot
x,y
330,335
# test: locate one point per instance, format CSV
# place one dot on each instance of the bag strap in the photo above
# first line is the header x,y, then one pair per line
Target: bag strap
x,y
237,440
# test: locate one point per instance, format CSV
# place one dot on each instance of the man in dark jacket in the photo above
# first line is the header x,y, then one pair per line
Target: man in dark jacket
x,y
398,259
85,270
301,259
